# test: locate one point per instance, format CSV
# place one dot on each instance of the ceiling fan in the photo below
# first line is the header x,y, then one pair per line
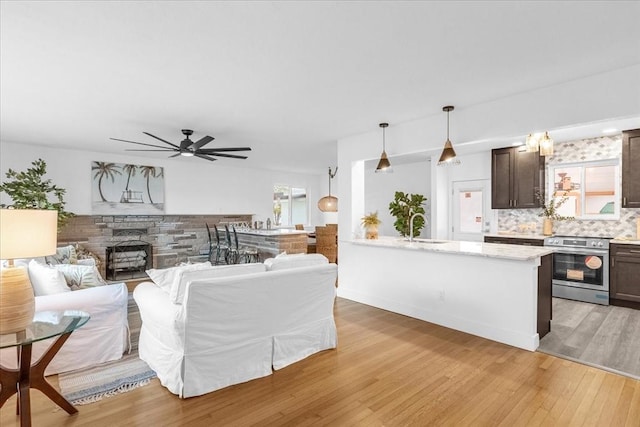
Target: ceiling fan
x,y
190,148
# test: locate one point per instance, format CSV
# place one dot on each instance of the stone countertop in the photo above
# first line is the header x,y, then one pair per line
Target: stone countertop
x,y
491,250
514,235
273,232
625,242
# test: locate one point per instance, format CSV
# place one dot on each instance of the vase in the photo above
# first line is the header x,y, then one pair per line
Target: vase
x,y
547,227
371,232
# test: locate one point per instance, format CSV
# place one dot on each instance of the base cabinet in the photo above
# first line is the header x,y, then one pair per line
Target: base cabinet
x,y
624,274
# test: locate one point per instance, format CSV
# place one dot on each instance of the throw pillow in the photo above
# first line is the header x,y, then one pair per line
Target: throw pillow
x,y
185,276
294,261
165,277
46,280
80,276
63,255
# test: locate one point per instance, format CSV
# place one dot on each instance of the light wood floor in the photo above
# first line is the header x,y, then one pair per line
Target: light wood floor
x,y
388,370
601,335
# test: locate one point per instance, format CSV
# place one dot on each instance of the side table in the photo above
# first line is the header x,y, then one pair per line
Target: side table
x,y
46,324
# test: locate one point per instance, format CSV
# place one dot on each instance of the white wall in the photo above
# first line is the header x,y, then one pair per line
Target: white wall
x,y
380,189
192,186
591,99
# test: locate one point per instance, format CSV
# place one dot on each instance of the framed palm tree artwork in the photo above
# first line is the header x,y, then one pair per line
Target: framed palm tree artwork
x,y
126,189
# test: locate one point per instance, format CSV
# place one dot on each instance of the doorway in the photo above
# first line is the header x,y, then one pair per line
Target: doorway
x,y
471,210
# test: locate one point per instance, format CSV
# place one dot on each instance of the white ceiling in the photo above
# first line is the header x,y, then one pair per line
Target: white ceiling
x,y
286,78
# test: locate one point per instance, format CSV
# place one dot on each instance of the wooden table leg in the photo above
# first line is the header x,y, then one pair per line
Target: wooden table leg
x,y
39,382
26,377
24,374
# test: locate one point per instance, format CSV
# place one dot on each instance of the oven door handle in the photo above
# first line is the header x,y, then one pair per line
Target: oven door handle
x,y
580,251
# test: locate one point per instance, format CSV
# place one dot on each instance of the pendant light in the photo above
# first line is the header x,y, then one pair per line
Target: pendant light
x,y
448,156
546,145
329,203
540,142
384,165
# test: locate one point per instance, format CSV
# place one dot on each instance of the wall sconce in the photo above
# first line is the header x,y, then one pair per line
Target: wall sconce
x,y
329,203
540,142
448,156
383,164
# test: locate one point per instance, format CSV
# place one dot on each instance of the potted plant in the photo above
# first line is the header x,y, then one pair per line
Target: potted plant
x,y
371,222
550,212
28,190
403,207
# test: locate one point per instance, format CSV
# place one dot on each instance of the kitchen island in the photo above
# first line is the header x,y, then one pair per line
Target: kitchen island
x,y
496,291
273,242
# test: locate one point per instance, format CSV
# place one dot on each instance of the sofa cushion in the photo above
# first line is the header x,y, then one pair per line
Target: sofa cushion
x,y
63,255
284,262
80,276
164,277
185,276
46,280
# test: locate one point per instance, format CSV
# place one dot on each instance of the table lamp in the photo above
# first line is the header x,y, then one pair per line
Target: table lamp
x,y
24,233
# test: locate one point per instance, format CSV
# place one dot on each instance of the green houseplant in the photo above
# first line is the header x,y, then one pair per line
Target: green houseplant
x,y
371,222
403,207
29,190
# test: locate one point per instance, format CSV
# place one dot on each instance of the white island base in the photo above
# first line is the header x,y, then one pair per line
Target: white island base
x,y
485,289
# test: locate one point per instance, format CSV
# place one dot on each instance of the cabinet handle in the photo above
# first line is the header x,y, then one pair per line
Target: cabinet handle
x,y
624,202
634,251
515,203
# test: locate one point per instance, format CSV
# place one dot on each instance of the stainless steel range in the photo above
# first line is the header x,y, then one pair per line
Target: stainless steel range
x,y
580,268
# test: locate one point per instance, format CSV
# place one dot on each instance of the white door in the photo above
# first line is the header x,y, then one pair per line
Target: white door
x,y
471,210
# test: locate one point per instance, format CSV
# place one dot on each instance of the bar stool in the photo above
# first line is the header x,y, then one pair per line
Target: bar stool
x,y
246,253
232,252
221,248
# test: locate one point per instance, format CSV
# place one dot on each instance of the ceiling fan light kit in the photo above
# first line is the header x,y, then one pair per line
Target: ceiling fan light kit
x,y
189,148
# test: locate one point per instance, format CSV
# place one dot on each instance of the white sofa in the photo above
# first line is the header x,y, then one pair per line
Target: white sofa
x,y
208,329
103,338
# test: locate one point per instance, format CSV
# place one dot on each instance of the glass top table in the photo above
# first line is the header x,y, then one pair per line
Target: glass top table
x,y
45,325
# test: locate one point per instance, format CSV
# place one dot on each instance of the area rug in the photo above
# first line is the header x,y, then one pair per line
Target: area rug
x,y
93,384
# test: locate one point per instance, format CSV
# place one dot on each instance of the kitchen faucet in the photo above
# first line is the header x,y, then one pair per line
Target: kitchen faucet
x,y
411,224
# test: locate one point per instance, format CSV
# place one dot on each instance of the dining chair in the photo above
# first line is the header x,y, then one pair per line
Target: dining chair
x,y
327,242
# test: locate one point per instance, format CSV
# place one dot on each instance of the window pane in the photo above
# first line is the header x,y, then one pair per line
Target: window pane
x,y
568,182
298,206
600,190
280,204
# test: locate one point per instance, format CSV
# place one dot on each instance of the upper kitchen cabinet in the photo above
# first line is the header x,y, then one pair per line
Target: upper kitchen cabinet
x,y
516,177
631,168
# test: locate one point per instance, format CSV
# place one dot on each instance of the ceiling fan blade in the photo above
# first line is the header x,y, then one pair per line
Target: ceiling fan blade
x,y
175,155
202,141
162,149
141,143
160,139
207,150
231,156
202,156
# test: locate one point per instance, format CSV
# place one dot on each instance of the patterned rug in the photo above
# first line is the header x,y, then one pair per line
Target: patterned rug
x,y
93,384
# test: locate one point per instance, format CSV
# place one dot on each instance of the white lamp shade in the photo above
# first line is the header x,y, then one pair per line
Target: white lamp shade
x,y
28,233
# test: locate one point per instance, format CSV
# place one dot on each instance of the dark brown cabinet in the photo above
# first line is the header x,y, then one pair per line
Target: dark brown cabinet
x,y
631,168
516,178
624,274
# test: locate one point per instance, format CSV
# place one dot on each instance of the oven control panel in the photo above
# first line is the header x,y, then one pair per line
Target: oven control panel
x,y
577,242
